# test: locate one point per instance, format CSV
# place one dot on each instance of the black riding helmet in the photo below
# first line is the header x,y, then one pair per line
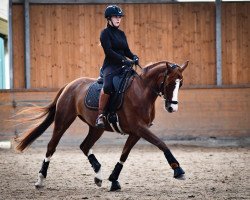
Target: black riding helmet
x,y
113,10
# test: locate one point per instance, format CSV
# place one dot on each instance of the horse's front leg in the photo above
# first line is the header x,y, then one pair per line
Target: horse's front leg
x,y
131,141
93,135
145,133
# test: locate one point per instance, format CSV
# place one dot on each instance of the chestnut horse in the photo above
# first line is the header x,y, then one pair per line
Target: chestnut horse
x,y
135,117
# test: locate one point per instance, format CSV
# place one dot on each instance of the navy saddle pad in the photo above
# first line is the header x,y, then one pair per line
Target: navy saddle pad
x,y
92,97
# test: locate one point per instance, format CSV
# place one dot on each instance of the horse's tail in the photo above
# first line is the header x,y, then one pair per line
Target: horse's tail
x,y
31,135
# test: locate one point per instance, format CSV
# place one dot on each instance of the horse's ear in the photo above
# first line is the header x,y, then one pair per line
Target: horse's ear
x,y
169,65
184,65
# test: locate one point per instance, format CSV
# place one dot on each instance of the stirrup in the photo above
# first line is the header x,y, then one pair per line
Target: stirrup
x,y
100,121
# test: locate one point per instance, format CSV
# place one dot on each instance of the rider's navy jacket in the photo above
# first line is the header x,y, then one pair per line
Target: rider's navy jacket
x,y
115,46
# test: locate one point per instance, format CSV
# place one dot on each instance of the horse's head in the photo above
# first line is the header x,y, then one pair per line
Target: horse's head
x,y
172,81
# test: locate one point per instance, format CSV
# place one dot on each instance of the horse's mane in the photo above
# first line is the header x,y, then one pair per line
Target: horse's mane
x,y
151,65
147,67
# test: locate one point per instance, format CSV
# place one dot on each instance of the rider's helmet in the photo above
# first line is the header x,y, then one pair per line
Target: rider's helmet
x,y
113,10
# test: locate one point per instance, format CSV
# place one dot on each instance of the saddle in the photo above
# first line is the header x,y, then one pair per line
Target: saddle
x,y
120,83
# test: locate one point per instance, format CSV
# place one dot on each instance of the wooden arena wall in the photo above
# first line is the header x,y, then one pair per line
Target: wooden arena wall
x,y
213,112
65,40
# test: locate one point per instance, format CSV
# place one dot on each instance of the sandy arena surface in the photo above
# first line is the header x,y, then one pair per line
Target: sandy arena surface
x,y
211,173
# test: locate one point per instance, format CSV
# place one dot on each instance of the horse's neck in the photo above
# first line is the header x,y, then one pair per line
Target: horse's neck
x,y
150,78
152,72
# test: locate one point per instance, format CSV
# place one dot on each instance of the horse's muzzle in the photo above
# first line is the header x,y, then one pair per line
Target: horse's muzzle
x,y
171,106
170,109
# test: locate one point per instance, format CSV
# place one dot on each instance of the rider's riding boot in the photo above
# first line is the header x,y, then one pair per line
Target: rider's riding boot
x,y
102,104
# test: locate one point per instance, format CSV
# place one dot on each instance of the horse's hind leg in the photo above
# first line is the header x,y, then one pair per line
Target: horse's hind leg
x,y
93,135
62,123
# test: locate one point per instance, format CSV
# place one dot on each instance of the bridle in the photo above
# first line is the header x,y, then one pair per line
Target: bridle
x,y
163,86
161,92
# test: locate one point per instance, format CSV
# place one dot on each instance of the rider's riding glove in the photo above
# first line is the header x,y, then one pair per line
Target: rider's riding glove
x,y
127,63
136,60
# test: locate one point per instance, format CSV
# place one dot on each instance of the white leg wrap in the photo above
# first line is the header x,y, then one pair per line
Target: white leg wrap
x,y
99,174
121,162
47,159
40,180
90,152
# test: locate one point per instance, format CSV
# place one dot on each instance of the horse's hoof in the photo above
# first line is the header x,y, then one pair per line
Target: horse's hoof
x,y
179,173
98,182
181,177
38,186
115,186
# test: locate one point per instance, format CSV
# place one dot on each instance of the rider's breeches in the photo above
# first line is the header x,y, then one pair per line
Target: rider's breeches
x,y
108,87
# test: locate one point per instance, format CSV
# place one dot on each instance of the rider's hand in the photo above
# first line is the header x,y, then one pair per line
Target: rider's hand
x,y
128,63
136,60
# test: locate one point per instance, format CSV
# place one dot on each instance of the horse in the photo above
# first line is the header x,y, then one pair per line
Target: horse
x,y
135,117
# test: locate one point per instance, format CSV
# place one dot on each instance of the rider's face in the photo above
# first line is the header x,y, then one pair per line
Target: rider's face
x,y
116,20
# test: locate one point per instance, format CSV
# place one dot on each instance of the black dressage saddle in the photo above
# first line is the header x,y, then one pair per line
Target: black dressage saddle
x,y
121,83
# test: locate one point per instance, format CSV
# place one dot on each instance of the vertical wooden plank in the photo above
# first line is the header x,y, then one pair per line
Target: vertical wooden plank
x,y
167,31
207,42
208,35
153,38
226,43
58,37
128,26
200,66
82,61
34,23
38,67
136,27
18,47
48,50
100,25
54,45
70,37
94,40
87,43
187,48
142,30
61,36
66,18
159,36
234,45
243,43
178,13
76,44
148,40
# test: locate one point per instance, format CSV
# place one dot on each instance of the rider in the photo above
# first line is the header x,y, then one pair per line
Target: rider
x,y
116,49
